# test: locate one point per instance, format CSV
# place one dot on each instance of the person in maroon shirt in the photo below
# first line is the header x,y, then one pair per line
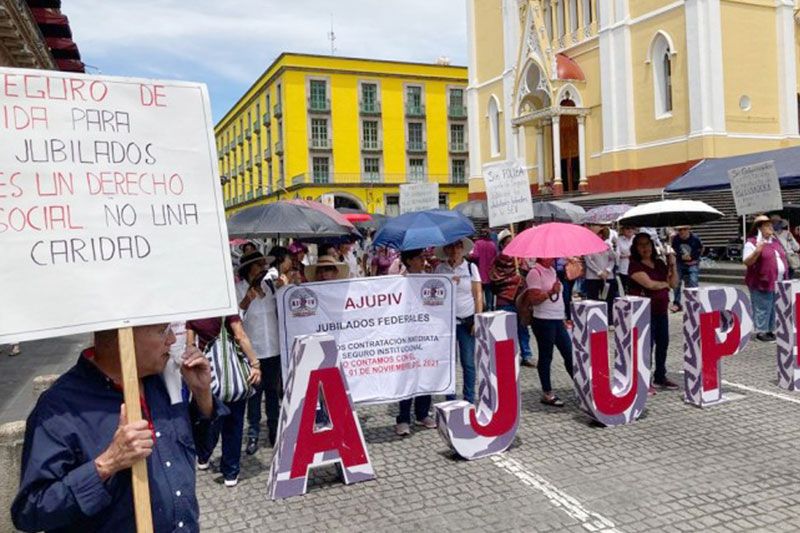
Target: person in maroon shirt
x,y
651,277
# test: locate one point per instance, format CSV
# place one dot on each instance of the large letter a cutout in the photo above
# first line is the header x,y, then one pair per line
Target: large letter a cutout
x,y
300,446
474,433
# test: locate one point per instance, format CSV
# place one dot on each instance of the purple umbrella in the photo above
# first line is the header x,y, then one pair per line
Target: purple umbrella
x,y
605,214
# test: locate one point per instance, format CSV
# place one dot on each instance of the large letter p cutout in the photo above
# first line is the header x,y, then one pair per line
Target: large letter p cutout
x,y
717,323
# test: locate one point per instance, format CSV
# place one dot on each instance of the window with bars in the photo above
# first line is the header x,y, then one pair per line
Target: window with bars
x,y
457,134
318,92
369,94
319,132
456,97
458,171
320,169
414,95
416,169
370,132
372,169
415,133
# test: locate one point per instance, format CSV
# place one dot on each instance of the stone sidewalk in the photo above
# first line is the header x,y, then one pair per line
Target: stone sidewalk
x,y
679,468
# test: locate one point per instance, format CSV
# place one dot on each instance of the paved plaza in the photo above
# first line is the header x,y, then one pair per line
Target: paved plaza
x,y
679,468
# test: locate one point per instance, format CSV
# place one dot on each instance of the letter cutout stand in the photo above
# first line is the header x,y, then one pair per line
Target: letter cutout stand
x,y
618,398
315,372
490,429
716,323
787,316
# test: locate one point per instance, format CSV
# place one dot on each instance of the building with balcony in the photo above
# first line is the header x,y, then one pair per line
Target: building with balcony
x,y
354,129
617,95
35,34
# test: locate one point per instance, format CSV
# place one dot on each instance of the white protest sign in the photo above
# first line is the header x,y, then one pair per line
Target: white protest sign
x,y
395,334
508,193
756,188
418,197
328,199
111,208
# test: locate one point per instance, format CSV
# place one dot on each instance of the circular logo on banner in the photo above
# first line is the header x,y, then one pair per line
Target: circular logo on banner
x,y
303,302
433,292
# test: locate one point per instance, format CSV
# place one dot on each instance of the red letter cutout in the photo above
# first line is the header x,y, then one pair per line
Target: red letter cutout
x,y
505,416
605,399
714,351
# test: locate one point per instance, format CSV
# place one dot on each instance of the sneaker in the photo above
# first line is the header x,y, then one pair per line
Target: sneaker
x,y
763,337
231,482
666,384
402,429
651,391
528,363
252,446
771,336
202,466
428,422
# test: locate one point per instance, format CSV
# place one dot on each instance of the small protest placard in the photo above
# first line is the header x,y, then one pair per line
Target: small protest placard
x,y
756,188
111,208
508,193
418,197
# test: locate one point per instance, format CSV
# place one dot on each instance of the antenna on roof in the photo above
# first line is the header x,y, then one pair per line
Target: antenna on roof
x,y
332,37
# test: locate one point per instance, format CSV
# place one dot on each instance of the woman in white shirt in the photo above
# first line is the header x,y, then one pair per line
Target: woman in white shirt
x,y
544,295
469,301
623,250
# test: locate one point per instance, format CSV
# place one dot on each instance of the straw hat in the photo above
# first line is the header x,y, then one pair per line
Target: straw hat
x,y
254,257
760,219
342,270
468,246
503,234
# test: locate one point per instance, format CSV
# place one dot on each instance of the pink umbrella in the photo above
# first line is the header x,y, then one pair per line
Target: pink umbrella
x,y
238,242
555,239
331,212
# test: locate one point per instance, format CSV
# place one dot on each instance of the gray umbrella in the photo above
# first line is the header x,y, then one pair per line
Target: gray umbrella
x,y
282,219
557,211
474,209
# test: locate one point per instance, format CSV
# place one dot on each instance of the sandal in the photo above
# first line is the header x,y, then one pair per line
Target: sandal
x,y
553,401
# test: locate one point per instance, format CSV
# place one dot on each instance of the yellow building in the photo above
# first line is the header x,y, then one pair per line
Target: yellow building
x,y
350,129
627,94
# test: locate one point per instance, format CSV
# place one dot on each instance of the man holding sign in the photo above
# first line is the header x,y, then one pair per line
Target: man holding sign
x,y
79,446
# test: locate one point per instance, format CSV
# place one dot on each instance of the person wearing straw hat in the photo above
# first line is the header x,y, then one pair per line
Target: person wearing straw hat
x,y
327,268
259,310
766,263
469,301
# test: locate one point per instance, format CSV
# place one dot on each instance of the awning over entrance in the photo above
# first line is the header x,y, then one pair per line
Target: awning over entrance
x,y
712,174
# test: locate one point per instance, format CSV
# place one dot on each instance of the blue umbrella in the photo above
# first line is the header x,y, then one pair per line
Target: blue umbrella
x,y
422,229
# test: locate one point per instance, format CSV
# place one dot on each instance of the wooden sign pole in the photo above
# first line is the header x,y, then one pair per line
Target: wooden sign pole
x,y
133,409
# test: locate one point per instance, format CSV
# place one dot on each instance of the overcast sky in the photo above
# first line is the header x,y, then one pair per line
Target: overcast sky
x,y
228,44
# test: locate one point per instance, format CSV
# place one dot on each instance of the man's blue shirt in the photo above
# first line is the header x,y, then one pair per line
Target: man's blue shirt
x,y
73,423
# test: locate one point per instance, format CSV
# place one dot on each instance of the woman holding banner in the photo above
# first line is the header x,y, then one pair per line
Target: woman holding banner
x,y
766,263
414,261
469,301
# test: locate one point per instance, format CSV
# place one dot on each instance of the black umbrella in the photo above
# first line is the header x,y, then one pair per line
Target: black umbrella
x,y
282,219
557,211
474,209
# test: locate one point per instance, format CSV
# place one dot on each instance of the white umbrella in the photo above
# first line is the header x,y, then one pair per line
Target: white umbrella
x,y
670,213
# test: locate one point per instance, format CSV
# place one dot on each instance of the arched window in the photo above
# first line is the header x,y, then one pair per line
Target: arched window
x,y
661,56
494,125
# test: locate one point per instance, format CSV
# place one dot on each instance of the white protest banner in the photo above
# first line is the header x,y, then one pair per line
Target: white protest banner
x,y
395,334
111,208
508,193
756,188
418,197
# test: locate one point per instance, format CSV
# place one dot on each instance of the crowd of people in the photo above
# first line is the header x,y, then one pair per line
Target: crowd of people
x,y
637,261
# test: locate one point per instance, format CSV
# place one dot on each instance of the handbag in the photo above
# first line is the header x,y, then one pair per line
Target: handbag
x,y
230,369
